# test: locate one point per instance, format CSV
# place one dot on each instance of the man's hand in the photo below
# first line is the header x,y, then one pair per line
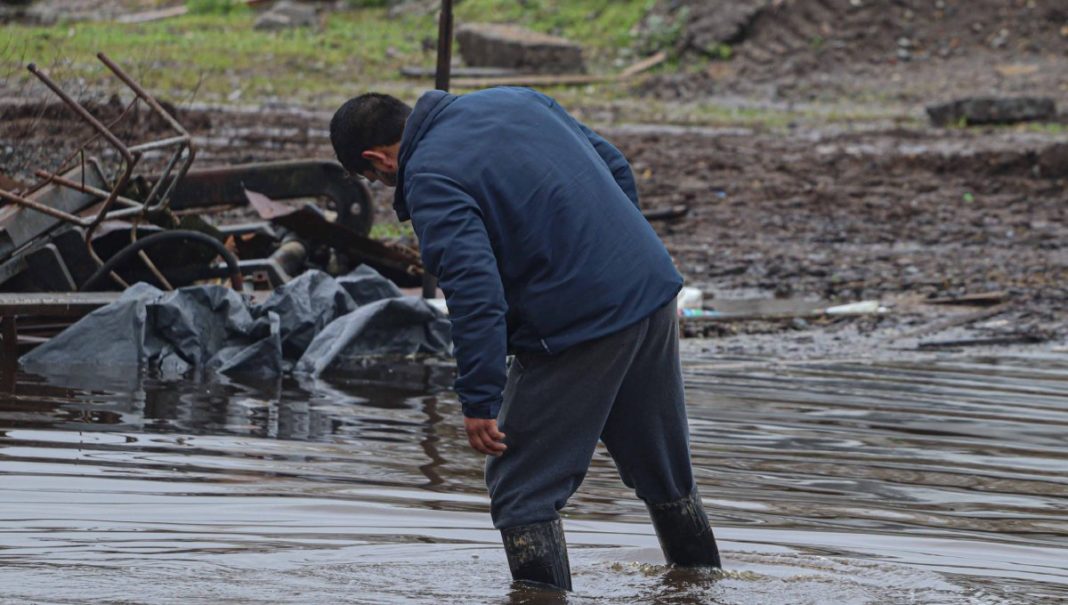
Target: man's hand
x,y
483,435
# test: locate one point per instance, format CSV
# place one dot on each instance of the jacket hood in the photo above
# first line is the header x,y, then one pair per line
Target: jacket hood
x,y
419,122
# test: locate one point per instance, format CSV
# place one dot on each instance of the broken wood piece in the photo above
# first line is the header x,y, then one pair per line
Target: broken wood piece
x,y
562,79
533,80
1010,339
953,322
644,65
979,299
154,15
660,214
462,72
992,110
166,13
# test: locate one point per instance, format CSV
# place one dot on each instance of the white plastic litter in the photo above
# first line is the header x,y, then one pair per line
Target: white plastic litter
x,y
857,308
690,298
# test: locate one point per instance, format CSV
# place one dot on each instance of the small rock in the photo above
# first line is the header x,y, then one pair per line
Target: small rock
x,y
287,15
1001,40
1053,161
513,47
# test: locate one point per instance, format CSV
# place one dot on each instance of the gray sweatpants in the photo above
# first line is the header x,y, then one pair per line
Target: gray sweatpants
x,y
624,389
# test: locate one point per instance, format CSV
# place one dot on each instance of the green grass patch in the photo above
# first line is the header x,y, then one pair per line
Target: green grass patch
x,y
222,58
215,7
217,55
392,231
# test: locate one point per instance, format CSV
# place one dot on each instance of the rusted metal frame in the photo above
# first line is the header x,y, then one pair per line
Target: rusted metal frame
x,y
80,151
130,160
185,140
213,188
60,180
148,261
131,155
102,214
39,207
83,113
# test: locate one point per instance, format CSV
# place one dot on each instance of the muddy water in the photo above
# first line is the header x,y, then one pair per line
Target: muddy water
x,y
938,480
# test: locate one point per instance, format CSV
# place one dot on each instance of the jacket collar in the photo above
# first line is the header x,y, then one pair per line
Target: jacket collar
x,y
419,122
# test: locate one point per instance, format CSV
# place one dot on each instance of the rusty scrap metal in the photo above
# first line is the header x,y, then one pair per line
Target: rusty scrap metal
x,y
158,197
279,181
400,264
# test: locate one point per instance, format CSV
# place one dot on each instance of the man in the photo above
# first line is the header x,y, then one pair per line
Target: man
x,y
530,221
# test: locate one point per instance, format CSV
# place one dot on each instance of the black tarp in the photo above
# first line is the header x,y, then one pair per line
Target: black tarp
x,y
318,322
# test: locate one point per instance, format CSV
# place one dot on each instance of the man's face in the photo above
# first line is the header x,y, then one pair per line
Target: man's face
x,y
386,178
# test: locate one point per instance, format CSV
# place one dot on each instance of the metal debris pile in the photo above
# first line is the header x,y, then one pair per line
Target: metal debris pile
x,y
104,223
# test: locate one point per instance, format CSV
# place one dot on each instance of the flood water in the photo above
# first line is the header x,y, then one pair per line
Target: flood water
x,y
943,479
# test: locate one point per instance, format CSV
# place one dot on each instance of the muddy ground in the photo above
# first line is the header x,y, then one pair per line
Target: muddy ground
x,y
895,211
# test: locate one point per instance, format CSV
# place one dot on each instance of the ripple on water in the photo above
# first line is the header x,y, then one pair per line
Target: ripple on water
x,y
942,481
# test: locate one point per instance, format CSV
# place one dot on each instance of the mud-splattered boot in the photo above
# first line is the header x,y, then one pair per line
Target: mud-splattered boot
x,y
538,553
684,532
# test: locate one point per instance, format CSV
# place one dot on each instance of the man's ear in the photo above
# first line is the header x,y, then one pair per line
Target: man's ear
x,y
373,155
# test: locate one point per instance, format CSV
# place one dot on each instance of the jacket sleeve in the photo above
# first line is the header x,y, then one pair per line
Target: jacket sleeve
x,y
456,248
616,162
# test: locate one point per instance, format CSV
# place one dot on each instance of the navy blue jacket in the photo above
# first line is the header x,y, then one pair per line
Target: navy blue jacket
x,y
530,221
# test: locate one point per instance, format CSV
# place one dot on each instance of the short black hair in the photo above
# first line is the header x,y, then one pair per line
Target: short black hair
x,y
369,120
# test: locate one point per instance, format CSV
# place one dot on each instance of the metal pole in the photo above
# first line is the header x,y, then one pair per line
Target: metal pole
x,y
441,76
441,82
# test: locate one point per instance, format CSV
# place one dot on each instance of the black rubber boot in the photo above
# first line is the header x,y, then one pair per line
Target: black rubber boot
x,y
685,535
538,553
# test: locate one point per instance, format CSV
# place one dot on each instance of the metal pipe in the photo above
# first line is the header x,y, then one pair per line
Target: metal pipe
x,y
441,82
83,113
75,185
163,113
165,198
444,68
39,207
141,92
148,261
151,145
163,177
236,280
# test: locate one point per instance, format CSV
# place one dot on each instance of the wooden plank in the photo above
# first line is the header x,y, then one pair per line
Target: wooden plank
x,y
979,299
154,15
953,322
562,79
533,80
54,304
166,13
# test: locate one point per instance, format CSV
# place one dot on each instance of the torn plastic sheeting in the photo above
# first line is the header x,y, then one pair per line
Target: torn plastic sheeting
x,y
366,285
305,306
214,328
393,326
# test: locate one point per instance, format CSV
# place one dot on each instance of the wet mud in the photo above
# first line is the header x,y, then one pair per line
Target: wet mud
x,y
938,479
840,213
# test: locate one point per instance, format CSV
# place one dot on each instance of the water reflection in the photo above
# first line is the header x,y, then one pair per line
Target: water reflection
x,y
934,480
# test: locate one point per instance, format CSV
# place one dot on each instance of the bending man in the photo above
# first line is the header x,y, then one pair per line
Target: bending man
x,y
530,221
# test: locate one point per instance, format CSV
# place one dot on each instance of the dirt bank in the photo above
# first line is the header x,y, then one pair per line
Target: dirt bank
x,y
896,215
872,50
